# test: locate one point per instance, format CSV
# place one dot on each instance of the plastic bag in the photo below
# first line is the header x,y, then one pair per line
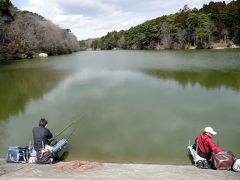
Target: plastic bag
x,y
236,165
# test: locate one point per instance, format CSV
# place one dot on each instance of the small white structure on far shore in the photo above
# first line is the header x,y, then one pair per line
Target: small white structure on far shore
x,y
43,55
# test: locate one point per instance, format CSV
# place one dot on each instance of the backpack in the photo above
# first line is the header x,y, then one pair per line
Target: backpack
x,y
17,154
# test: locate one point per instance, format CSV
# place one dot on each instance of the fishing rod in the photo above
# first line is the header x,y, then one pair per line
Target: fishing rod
x,y
68,126
71,133
74,129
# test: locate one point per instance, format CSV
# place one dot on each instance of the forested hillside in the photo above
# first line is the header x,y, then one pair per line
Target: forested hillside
x,y
24,34
215,24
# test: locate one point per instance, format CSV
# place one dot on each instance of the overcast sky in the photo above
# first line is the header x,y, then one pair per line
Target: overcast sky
x,y
94,18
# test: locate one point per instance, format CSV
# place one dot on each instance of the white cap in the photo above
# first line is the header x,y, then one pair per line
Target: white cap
x,y
210,130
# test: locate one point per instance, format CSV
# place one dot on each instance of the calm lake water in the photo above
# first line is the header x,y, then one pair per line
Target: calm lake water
x,y
138,106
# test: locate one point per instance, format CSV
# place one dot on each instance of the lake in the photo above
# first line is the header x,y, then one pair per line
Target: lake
x,y
128,106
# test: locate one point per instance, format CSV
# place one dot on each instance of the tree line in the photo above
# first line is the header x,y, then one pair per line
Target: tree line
x,y
25,34
216,22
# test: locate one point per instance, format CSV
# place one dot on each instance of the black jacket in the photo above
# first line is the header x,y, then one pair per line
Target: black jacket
x,y
41,134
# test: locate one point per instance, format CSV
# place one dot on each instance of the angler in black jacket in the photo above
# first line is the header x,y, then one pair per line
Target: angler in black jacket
x,y
41,135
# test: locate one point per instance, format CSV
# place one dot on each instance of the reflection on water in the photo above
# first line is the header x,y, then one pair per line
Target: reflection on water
x,y
19,86
209,79
130,115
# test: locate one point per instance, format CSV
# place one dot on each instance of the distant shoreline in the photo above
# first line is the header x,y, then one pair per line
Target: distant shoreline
x,y
190,48
7,61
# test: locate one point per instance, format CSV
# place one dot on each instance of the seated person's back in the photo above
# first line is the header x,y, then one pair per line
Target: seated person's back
x,y
41,135
205,143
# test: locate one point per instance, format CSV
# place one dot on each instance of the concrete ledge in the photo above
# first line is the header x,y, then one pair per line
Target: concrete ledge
x,y
114,171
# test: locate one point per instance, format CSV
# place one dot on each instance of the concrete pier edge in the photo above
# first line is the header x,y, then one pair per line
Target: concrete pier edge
x,y
114,171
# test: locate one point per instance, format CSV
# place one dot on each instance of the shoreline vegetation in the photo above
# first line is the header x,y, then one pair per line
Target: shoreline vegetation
x,y
26,35
214,26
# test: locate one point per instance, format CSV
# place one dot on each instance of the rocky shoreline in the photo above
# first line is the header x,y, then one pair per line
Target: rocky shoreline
x,y
93,170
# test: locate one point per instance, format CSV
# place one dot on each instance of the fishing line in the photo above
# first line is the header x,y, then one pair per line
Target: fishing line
x,y
71,133
68,126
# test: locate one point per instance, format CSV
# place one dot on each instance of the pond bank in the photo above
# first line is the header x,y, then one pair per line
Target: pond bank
x,y
112,171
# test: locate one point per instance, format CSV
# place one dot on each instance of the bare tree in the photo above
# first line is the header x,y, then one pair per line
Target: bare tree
x,y
165,34
30,33
225,33
181,37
